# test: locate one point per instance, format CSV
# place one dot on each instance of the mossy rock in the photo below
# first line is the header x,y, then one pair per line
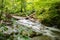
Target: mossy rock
x,y
41,38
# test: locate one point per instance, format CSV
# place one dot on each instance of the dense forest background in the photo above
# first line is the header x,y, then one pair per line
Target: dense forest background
x,y
46,12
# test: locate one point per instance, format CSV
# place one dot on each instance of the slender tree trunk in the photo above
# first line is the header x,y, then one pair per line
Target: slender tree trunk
x,y
23,5
2,6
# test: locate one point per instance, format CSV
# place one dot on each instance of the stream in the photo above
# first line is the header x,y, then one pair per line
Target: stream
x,y
48,33
39,28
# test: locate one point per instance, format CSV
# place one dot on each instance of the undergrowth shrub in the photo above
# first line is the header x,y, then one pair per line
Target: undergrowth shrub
x,y
52,16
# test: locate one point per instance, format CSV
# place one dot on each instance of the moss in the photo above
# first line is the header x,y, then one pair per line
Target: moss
x,y
41,38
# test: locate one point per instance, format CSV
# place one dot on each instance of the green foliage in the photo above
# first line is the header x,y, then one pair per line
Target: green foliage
x,y
16,6
47,11
13,36
51,17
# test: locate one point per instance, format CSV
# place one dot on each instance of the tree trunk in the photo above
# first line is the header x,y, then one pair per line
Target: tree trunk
x,y
2,6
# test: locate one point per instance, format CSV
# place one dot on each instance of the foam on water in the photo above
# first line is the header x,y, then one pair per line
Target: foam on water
x,y
37,27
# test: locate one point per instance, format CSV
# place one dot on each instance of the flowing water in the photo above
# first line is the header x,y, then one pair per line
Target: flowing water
x,y
50,33
39,28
